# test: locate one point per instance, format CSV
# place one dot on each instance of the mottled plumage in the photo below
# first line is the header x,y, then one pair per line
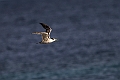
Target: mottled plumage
x,y
45,35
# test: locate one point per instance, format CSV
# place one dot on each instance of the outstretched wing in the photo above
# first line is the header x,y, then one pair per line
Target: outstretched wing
x,y
48,29
45,35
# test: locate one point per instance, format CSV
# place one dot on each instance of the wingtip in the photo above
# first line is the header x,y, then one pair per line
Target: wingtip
x,y
40,23
33,33
36,33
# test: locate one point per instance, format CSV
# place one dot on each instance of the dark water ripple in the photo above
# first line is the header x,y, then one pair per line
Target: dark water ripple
x,y
88,43
91,72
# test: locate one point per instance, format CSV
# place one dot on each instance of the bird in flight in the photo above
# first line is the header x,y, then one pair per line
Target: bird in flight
x,y
45,35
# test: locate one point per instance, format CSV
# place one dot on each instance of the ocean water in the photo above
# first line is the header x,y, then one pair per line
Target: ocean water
x,y
88,46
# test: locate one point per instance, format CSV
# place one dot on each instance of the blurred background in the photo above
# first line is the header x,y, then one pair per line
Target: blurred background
x,y
88,46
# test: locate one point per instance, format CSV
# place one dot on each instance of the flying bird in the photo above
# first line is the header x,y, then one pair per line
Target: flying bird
x,y
45,35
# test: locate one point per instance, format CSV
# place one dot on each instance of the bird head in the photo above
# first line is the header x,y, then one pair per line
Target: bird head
x,y
54,39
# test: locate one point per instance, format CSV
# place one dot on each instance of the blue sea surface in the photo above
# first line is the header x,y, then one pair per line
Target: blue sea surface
x,y
88,46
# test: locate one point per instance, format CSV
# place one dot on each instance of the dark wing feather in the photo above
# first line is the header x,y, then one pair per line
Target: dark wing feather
x,y
48,29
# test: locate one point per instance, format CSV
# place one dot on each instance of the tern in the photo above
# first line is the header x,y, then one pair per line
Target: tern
x,y
45,35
